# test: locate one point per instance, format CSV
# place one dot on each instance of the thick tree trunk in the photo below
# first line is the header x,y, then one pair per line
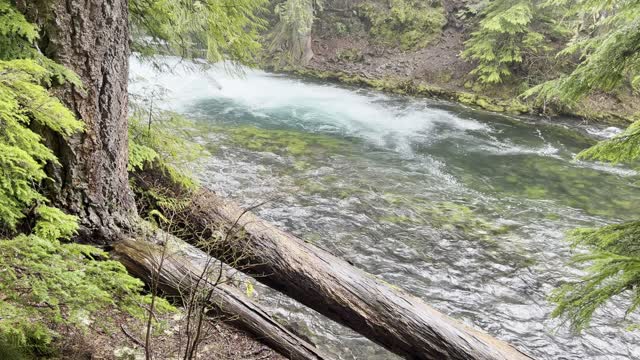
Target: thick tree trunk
x,y
389,316
181,272
90,37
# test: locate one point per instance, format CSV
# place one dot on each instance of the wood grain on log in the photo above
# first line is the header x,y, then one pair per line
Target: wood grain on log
x,y
181,270
387,315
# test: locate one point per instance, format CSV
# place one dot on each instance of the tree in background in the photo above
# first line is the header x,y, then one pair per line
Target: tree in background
x,y
509,31
291,37
606,40
409,24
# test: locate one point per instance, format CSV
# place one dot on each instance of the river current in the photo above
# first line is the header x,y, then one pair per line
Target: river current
x,y
465,209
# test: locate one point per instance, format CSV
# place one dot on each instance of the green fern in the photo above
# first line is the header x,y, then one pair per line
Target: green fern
x,y
16,34
22,155
165,143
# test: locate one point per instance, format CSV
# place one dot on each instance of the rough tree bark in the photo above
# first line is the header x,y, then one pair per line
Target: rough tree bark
x,y
90,37
389,316
288,37
181,270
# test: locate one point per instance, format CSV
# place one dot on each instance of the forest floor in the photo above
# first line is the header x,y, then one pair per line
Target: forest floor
x,y
437,64
123,339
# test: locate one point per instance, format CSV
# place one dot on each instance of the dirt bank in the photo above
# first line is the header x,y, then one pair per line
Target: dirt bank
x,y
122,339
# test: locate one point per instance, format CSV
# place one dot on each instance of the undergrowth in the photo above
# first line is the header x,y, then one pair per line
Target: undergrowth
x,y
45,279
409,24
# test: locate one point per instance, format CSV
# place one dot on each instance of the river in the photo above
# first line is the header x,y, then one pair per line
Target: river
x,y
465,209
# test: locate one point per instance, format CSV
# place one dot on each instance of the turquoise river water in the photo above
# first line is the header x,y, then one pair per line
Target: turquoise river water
x,y
465,209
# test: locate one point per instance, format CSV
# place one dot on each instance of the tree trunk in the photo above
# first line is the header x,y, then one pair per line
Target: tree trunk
x,y
90,37
389,316
181,270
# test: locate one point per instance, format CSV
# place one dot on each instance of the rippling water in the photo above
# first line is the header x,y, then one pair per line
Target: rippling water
x,y
465,209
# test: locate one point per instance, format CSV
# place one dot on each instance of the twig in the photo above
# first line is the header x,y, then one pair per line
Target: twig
x,y
133,338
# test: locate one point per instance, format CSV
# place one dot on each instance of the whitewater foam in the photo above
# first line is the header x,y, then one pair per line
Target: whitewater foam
x,y
315,107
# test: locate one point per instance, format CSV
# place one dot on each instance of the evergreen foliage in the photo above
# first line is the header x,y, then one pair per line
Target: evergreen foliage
x,y
607,41
507,34
16,34
621,148
612,266
17,38
613,261
44,281
409,24
212,30
163,140
23,156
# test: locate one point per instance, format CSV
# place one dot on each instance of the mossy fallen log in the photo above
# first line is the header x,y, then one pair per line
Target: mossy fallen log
x,y
387,315
181,273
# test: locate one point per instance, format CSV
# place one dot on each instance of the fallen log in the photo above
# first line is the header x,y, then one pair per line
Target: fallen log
x,y
181,273
402,323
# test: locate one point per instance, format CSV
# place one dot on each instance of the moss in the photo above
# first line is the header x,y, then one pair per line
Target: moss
x,y
490,103
467,98
343,194
326,187
512,179
548,178
350,55
329,179
445,215
605,117
283,142
552,216
516,106
396,219
310,186
535,192
452,215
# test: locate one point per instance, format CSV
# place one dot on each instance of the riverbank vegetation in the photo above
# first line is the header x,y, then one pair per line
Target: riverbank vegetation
x,y
492,51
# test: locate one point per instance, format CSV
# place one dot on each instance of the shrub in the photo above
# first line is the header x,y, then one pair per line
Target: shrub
x,y
409,24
